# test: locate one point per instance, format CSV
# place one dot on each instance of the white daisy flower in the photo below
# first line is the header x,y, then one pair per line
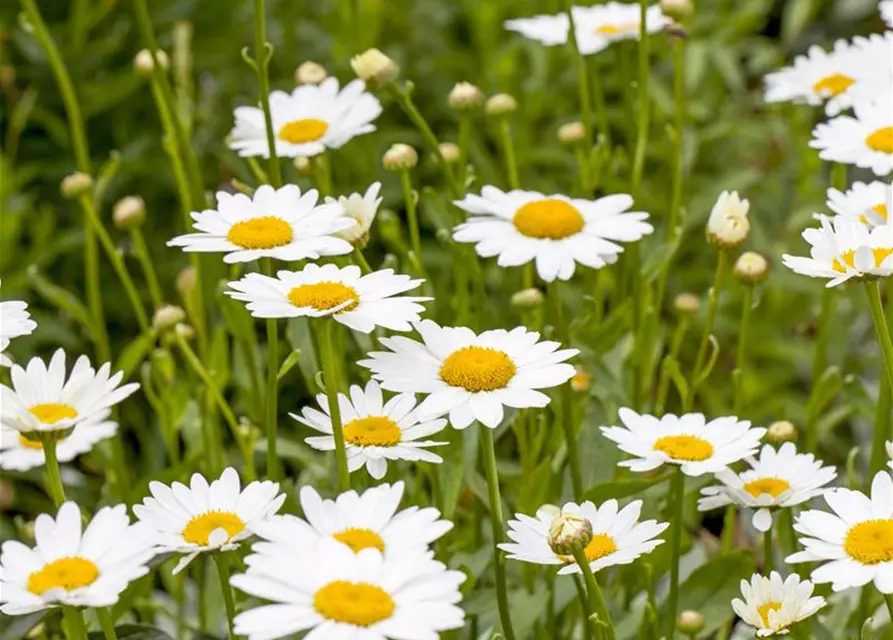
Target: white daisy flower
x,y
871,66
15,321
272,223
203,517
816,77
772,605
308,121
361,302
857,538
362,209
844,248
690,441
556,231
777,479
369,520
340,594
18,453
886,9
864,139
71,566
869,203
374,431
471,377
42,399
617,536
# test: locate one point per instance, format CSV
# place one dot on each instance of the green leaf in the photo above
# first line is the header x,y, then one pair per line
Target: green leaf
x,y
133,632
293,358
61,298
135,352
617,489
534,489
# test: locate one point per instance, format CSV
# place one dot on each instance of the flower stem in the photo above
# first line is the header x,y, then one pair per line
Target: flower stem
x,y
508,152
888,598
582,85
768,563
738,376
54,478
644,103
411,215
74,626
489,456
107,623
274,468
261,61
327,345
596,598
223,572
145,259
712,306
322,174
873,289
464,143
677,490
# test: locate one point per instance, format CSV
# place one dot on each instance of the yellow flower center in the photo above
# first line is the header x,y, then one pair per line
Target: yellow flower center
x,y
549,218
359,539
764,610
688,448
881,140
600,546
65,573
51,413
25,443
771,486
477,369
263,232
848,258
374,431
323,296
879,209
304,130
833,85
356,603
870,542
199,529
617,29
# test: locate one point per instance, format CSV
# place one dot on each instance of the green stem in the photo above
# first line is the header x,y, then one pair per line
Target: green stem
x,y
768,549
596,598
53,476
145,259
677,490
712,306
361,261
878,444
508,152
744,330
464,143
586,605
888,598
261,61
329,365
322,174
229,603
107,622
75,629
728,528
644,104
489,455
274,467
411,215
582,81
679,136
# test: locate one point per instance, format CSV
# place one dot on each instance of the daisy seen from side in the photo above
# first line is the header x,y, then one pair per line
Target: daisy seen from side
x,y
18,453
864,139
870,203
362,209
773,605
15,321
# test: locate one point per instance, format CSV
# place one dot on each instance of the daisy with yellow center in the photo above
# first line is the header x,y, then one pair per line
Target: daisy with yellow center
x,y
864,139
272,223
19,453
361,302
73,565
468,376
773,605
777,479
855,540
555,231
333,592
617,536
374,431
309,120
870,204
206,517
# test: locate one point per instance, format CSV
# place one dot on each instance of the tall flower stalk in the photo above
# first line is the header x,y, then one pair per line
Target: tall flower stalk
x,y
873,290
585,100
262,53
274,466
330,372
677,493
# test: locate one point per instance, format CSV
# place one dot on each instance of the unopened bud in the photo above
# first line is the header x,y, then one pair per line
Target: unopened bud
x,y
571,133
167,316
527,298
302,165
677,8
782,431
186,281
184,331
501,104
144,63
310,73
690,622
129,212
400,157
450,152
374,68
687,303
582,380
569,533
75,185
728,225
751,267
465,96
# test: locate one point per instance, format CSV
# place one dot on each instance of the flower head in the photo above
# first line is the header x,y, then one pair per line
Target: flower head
x,y
15,321
728,225
465,96
18,453
864,139
310,72
361,209
870,204
751,267
772,605
374,67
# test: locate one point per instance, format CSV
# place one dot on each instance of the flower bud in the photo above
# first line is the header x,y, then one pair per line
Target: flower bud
x,y
184,331
677,8
571,133
302,165
167,316
450,152
186,281
75,185
501,104
582,380
400,157
527,298
728,225
310,73
751,267
465,96
129,212
362,209
7,495
782,431
569,533
374,68
690,622
144,63
687,303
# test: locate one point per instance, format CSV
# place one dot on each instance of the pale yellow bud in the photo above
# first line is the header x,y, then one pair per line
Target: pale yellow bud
x,y
450,152
569,533
501,104
572,133
677,8
782,431
185,331
129,212
374,68
582,380
690,622
75,185
302,165
687,303
186,280
167,316
400,157
310,73
465,96
527,298
144,63
751,267
728,225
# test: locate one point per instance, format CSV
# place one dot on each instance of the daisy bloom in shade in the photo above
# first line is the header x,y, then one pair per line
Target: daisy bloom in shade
x,y
72,565
15,321
864,139
556,231
362,209
43,399
471,377
369,520
340,594
313,118
203,517
690,441
272,223
870,203
361,302
374,431
777,479
856,539
617,536
845,248
18,453
772,605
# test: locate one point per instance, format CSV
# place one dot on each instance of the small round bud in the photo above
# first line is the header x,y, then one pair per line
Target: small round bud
x,y
571,133
782,431
186,281
400,157
167,316
527,298
687,303
501,104
582,380
751,267
374,68
129,212
450,152
248,430
569,533
690,622
728,225
302,165
75,185
7,495
677,8
465,96
144,63
184,331
310,73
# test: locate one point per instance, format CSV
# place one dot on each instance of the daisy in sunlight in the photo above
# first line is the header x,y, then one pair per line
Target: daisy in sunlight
x,y
816,77
870,204
18,453
864,139
772,605
362,209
